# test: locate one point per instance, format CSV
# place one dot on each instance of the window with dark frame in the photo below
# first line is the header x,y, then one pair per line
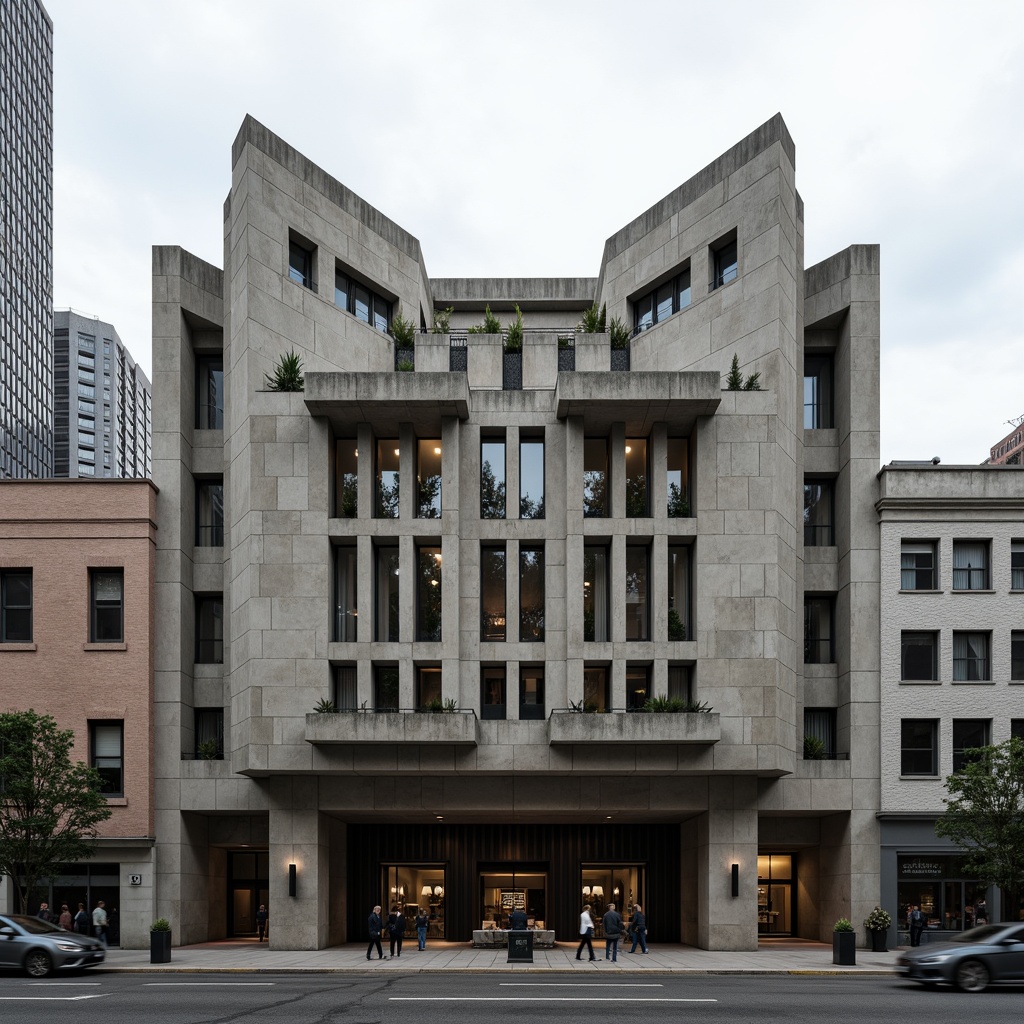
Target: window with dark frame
x,y
300,263
493,616
386,504
209,629
971,657
385,688
106,745
637,476
918,565
1017,728
386,594
16,606
595,593
362,301
725,261
531,478
531,692
428,594
210,392
346,688
1017,654
106,606
820,724
680,685
919,746
428,478
210,513
818,641
596,696
428,687
492,478
638,577
638,686
595,478
969,734
919,656
209,734
531,594
818,391
493,702
819,513
1017,565
970,565
346,592
667,299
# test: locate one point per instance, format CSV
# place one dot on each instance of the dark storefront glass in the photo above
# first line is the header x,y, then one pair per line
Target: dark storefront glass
x,y
939,885
414,887
775,891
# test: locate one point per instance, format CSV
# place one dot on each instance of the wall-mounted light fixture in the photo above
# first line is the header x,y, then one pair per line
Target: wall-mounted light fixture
x,y
292,879
735,879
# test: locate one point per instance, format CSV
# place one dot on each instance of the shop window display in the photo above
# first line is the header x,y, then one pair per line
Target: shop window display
x,y
413,886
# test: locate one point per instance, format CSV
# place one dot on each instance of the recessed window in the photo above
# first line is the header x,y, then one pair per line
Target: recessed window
x,y
678,477
638,570
1017,654
1017,565
819,513
820,726
680,685
917,565
531,692
636,478
531,594
428,479
596,688
210,392
209,734
638,686
492,594
969,734
971,661
660,303
492,692
595,593
919,746
210,513
531,478
300,262
388,460
385,688
970,565
209,629
919,656
428,687
106,606
346,591
818,617
492,478
386,618
346,479
106,743
346,688
362,302
595,478
725,263
817,391
428,594
16,606
1017,728
678,593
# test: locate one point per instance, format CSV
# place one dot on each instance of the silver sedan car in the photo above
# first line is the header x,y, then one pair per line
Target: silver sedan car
x,y
976,957
39,947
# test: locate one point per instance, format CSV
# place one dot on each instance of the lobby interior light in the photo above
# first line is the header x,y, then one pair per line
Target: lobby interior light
x,y
426,891
597,891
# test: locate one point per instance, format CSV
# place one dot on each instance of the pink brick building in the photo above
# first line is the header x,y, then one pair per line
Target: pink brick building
x,y
1010,450
76,628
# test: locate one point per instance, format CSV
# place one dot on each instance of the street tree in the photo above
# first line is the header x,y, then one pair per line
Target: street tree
x,y
49,805
985,815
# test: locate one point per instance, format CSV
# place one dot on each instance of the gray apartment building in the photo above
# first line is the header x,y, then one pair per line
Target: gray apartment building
x,y
103,402
570,609
26,240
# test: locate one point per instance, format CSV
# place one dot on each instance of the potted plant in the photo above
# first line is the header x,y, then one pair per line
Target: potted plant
x,y
877,924
512,358
404,333
160,941
287,375
844,943
620,344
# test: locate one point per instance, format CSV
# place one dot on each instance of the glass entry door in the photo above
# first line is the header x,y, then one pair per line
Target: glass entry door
x,y
775,911
504,888
248,887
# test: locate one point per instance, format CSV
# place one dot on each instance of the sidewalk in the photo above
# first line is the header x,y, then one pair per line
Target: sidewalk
x,y
790,957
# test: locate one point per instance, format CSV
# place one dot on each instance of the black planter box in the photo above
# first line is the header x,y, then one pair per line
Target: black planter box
x,y
512,371
620,358
844,949
878,938
159,947
404,355
567,358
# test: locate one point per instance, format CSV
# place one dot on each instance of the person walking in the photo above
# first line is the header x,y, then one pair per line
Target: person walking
x,y
65,921
612,924
396,929
421,927
82,920
99,923
374,926
915,919
639,927
586,934
261,921
44,913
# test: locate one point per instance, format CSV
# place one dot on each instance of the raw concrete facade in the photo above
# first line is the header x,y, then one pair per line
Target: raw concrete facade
x,y
702,599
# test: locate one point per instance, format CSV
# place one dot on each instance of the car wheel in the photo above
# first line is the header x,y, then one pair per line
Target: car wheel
x,y
38,964
972,976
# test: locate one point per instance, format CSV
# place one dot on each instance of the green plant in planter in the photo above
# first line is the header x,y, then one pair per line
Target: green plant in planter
x,y
287,374
619,332
403,331
753,382
405,365
324,706
663,705
491,324
878,920
565,342
207,750
842,925
583,707
676,626
450,707
814,749
435,706
514,338
161,924
734,378
442,321
593,321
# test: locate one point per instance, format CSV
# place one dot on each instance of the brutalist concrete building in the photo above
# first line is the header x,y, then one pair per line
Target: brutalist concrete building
x,y
572,611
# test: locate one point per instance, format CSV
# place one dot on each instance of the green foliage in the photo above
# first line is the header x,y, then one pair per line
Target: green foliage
x,y
287,374
676,626
752,383
492,494
405,365
435,706
878,920
324,706
842,925
514,338
429,490
734,379
387,499
564,341
619,333
593,321
491,324
51,805
985,814
814,749
349,504
678,504
403,331
665,705
450,707
442,321
207,750
636,496
161,924
583,707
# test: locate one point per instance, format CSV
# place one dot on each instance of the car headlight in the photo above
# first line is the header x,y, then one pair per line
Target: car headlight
x,y
70,947
935,958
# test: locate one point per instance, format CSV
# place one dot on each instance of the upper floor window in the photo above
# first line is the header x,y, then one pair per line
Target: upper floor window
x,y
346,479
492,594
680,685
428,594
346,687
968,735
106,606
638,686
531,692
209,629
16,606
531,478
492,479
818,646
346,591
493,694
385,688
1017,565
819,513
817,391
595,593
636,478
106,745
638,567
428,687
919,656
531,594
678,592
209,733
428,479
387,478
595,478
660,303
917,565
820,729
386,619
725,263
596,688
970,565
919,746
210,513
1017,654
301,262
678,477
362,302
971,662
210,393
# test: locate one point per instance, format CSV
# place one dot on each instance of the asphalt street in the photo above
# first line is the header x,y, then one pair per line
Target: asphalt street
x,y
468,999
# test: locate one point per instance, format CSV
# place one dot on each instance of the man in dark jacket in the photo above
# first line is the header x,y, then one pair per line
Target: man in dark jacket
x,y
517,919
639,925
374,926
396,928
612,924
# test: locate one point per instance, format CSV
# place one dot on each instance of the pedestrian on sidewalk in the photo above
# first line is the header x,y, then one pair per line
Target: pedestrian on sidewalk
x,y
44,913
99,923
65,918
586,933
915,921
82,920
261,921
374,926
396,929
639,927
612,923
421,927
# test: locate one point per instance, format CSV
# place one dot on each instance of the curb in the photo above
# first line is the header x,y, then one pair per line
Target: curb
x,y
865,972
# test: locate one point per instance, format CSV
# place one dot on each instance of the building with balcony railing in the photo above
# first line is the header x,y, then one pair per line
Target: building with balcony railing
x,y
499,614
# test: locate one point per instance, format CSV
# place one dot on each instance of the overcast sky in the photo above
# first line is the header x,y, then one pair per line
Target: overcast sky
x,y
513,138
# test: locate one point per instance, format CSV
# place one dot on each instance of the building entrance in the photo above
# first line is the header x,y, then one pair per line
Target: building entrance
x,y
508,887
775,887
248,889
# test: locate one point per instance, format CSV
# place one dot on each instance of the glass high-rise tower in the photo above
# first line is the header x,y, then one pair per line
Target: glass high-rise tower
x,y
26,240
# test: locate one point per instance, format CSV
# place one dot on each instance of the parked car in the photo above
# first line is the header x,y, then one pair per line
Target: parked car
x,y
976,957
39,947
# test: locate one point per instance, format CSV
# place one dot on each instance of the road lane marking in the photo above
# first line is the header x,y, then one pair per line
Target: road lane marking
x,y
579,984
209,984
542,999
68,984
52,999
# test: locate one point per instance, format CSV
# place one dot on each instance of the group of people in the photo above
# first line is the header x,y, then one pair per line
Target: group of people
x,y
614,927
395,927
79,922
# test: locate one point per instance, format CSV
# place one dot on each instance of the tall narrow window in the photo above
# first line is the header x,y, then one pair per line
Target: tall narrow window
x,y
1017,565
678,593
346,589
209,734
428,688
210,513
428,479
531,692
385,688
346,497
531,479
386,629
346,688
209,629
531,594
16,606
637,593
817,391
387,478
971,657
106,611
107,743
680,686
678,477
595,593
595,478
596,695
636,478
969,734
970,565
818,648
919,742
638,686
428,594
492,479
818,514
820,725
300,263
492,593
1017,654
492,692
725,263
210,393
917,565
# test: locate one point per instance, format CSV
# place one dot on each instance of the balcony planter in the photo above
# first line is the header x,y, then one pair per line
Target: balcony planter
x,y
404,356
458,355
692,729
620,359
392,727
566,355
